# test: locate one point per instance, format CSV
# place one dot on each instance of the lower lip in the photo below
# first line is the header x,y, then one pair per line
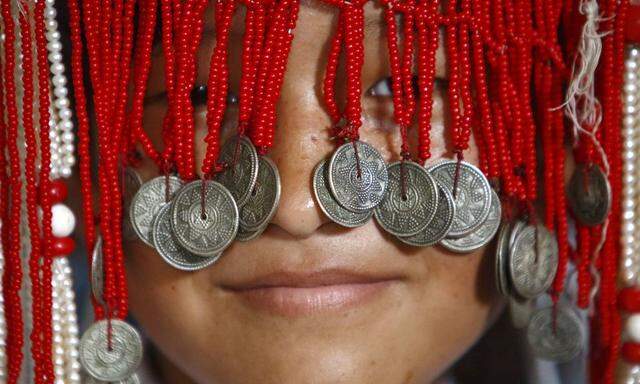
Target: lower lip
x,y
304,301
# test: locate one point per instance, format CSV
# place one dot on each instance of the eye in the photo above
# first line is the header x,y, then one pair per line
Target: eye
x,y
199,96
384,88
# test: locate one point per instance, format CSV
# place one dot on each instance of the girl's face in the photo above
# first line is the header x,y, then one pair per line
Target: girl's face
x,y
309,301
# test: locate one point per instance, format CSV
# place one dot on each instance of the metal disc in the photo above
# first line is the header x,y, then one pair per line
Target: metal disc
x,y
264,199
133,379
330,207
357,194
147,202
558,342
502,258
204,227
589,195
245,235
480,236
116,363
241,176
532,267
439,226
409,214
472,197
520,312
97,272
131,184
170,251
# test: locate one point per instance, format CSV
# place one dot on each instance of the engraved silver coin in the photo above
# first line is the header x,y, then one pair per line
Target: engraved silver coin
x,y
241,176
115,363
357,192
130,185
560,342
147,202
482,235
472,197
170,251
502,258
589,195
408,214
245,235
264,199
204,227
97,272
520,312
330,207
439,225
532,265
133,379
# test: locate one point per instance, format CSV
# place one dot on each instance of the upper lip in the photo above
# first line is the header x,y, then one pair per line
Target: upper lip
x,y
308,279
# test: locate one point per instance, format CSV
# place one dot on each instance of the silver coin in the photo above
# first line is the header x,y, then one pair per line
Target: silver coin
x,y
133,379
328,204
409,214
131,184
264,199
241,176
589,195
204,227
97,272
520,312
245,235
439,226
480,236
147,202
558,342
516,227
532,267
170,251
115,363
357,194
502,258
472,197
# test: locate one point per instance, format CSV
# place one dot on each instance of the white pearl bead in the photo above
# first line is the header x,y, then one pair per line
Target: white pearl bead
x,y
54,46
50,13
65,113
63,220
633,327
57,68
66,125
60,92
65,172
62,102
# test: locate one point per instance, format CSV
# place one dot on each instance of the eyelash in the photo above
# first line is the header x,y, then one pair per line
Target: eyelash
x,y
383,87
199,96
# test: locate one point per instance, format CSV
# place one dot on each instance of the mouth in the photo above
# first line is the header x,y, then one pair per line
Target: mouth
x,y
292,294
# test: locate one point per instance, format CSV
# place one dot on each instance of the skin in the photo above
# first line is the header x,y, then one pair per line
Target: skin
x,y
411,332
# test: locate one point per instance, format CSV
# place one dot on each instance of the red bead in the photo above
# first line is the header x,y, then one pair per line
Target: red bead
x,y
629,299
631,352
633,24
62,246
58,191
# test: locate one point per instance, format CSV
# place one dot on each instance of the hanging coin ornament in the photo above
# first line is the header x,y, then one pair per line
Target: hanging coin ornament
x,y
410,204
242,163
97,272
589,194
130,186
264,199
439,225
502,258
482,235
204,222
516,228
330,206
110,362
472,197
170,251
133,379
558,337
147,202
532,266
358,184
520,312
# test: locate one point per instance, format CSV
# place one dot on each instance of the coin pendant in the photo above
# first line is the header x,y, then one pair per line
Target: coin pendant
x,y
532,267
110,365
97,272
133,379
131,184
589,195
482,235
264,199
170,251
502,258
409,213
560,342
147,202
439,225
328,204
357,192
204,229
520,312
472,197
242,172
245,235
